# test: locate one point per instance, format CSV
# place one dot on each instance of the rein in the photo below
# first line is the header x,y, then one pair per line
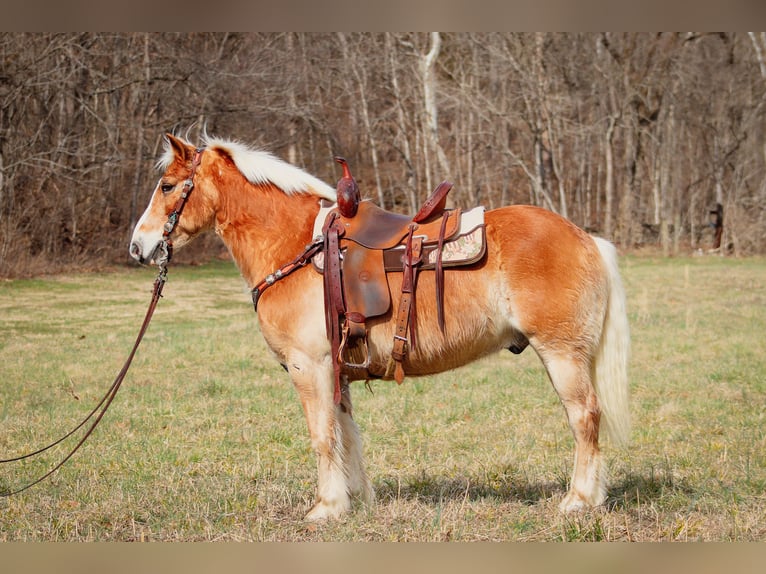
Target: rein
x,y
165,252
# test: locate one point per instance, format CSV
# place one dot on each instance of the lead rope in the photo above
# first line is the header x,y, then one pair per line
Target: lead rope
x,y
103,405
165,251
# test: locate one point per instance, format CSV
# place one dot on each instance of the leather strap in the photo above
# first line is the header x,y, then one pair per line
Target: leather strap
x,y
440,274
333,296
405,316
300,261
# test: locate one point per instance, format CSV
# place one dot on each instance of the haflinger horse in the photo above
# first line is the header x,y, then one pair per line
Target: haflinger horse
x,y
542,282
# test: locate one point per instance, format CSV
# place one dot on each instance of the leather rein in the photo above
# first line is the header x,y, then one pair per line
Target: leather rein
x,y
162,256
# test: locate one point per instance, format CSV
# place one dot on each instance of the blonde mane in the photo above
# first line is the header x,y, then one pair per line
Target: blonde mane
x,y
262,167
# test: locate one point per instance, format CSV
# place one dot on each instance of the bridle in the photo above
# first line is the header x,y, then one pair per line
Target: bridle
x,y
164,250
163,254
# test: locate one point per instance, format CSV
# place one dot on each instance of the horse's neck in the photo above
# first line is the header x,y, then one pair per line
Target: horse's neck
x,y
265,228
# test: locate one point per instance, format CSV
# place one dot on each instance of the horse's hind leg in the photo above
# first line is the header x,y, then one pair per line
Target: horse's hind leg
x,y
571,377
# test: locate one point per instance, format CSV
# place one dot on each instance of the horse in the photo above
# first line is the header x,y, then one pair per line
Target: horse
x,y
543,282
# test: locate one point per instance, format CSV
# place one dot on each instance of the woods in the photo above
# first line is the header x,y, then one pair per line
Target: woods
x,y
635,137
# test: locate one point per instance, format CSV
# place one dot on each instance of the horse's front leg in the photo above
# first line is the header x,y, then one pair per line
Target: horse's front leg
x,y
334,437
359,484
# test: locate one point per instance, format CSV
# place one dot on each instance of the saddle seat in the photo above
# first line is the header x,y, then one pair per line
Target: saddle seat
x,y
376,228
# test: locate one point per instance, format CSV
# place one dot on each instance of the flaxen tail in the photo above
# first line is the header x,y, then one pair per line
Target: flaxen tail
x,y
610,372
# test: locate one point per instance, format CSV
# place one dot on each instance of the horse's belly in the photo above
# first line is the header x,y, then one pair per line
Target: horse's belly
x,y
467,337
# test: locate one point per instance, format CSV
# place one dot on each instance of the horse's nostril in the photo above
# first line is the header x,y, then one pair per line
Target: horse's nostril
x,y
135,251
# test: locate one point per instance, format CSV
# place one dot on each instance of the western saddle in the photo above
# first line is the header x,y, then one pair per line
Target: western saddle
x,y
361,244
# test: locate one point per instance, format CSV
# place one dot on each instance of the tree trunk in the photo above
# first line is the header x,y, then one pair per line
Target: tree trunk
x,y
428,78
401,127
361,82
609,176
141,116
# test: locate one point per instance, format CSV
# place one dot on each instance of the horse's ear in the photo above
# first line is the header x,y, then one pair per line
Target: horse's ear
x,y
179,148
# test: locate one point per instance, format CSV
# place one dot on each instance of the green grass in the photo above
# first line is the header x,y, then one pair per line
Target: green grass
x,y
206,439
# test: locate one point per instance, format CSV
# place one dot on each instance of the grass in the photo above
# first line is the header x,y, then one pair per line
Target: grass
x,y
206,439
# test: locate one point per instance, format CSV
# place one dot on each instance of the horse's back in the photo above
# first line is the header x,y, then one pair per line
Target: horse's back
x,y
525,230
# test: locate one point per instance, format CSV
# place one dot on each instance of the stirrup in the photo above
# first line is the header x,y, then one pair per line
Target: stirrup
x,y
344,341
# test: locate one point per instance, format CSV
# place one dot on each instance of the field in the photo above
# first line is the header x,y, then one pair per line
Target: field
x,y
206,439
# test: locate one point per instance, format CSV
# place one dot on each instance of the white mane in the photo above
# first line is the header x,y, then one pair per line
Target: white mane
x,y
261,167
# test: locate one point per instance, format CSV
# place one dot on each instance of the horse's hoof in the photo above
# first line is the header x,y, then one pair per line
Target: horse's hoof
x,y
322,511
573,503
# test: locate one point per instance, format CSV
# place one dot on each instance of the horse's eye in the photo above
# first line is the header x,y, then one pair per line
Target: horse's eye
x,y
167,187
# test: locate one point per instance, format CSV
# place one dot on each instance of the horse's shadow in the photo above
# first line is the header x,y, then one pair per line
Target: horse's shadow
x,y
624,493
635,490
437,489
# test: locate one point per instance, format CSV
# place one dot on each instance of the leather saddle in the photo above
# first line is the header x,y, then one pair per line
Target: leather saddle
x,y
363,243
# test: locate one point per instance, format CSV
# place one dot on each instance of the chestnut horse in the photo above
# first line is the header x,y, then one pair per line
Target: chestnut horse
x,y
543,282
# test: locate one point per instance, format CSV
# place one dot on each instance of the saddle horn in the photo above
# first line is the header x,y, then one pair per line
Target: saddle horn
x,y
347,191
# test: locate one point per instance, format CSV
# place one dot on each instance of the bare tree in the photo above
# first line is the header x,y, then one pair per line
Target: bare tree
x,y
427,65
634,135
